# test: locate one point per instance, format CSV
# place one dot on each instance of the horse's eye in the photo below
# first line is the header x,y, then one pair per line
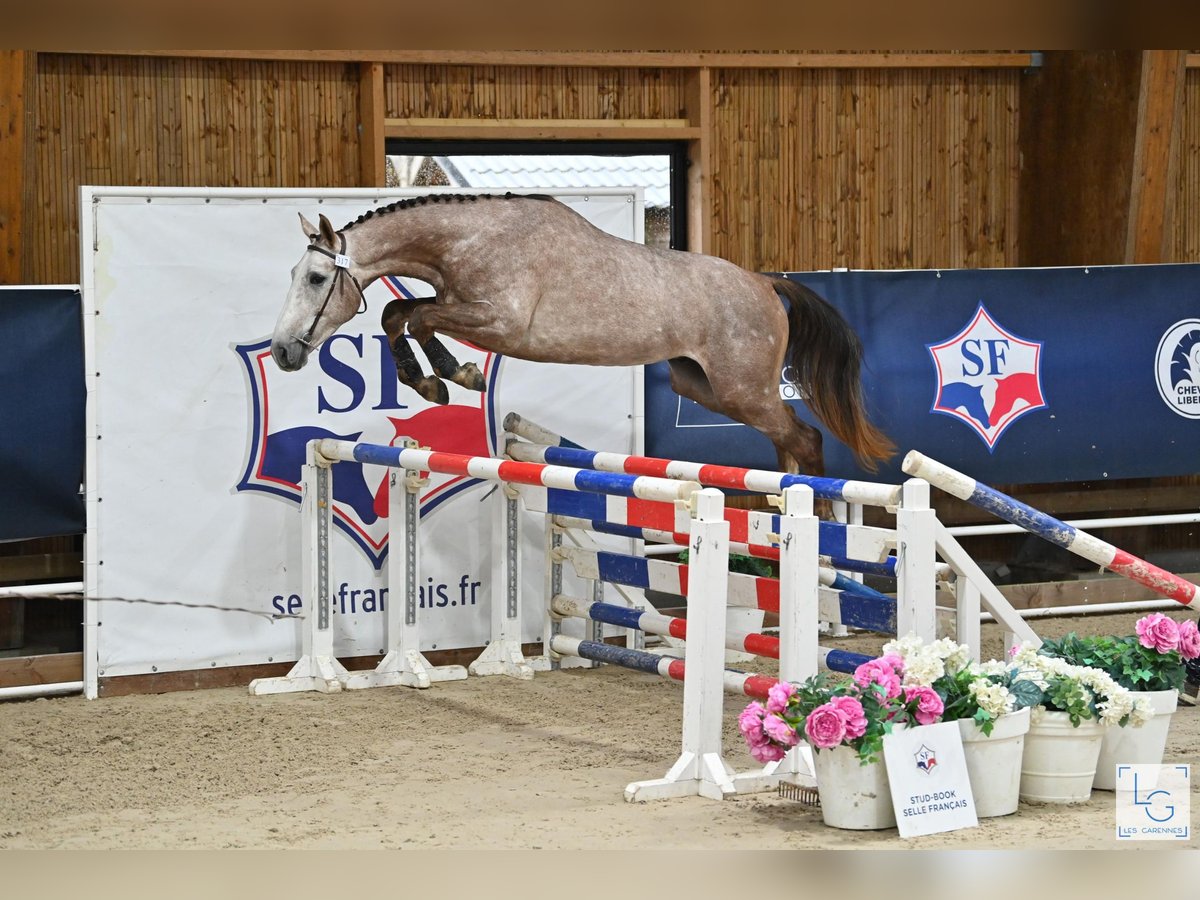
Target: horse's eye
x,y
316,278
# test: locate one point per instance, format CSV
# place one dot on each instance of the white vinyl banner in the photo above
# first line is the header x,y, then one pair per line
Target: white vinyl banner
x,y
196,438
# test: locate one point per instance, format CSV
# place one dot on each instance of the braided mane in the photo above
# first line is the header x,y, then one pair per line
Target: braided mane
x,y
440,198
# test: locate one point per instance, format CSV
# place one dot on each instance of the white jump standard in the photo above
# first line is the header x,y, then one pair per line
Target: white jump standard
x,y
318,669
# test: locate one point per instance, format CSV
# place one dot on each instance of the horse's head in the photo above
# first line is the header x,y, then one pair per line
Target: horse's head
x,y
324,295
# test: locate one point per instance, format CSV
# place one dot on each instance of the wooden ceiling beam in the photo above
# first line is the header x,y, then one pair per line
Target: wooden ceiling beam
x,y
618,59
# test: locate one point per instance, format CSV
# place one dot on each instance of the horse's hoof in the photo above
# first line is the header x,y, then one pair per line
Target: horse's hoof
x,y
469,376
433,390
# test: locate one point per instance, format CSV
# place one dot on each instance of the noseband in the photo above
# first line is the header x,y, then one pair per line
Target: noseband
x,y
341,264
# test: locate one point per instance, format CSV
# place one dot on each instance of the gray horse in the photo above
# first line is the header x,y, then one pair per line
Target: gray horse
x,y
527,277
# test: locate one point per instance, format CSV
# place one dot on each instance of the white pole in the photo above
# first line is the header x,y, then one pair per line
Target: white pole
x,y
29,691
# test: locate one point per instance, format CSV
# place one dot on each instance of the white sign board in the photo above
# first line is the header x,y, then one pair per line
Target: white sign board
x,y
927,771
195,437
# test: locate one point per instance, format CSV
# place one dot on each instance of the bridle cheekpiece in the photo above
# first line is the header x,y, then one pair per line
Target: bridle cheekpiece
x,y
342,264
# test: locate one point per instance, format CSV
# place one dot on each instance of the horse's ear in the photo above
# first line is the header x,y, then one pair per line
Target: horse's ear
x,y
310,230
328,235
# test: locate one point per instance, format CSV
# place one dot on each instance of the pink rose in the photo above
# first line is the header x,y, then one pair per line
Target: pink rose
x,y
825,726
1158,632
881,672
778,696
750,724
852,711
780,731
929,704
1189,640
895,660
767,752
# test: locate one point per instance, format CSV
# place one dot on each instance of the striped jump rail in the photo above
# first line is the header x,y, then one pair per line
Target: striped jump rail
x,y
829,576
671,626
551,448
747,683
872,611
746,526
1051,529
549,476
829,564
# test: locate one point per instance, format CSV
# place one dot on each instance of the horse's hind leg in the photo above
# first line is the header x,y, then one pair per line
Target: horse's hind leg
x,y
797,444
408,370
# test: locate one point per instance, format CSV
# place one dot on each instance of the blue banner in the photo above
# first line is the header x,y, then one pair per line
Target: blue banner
x,y
41,412
1010,375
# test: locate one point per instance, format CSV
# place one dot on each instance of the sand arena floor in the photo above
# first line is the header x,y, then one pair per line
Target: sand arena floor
x,y
485,763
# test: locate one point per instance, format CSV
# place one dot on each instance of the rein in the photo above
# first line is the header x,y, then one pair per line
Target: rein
x,y
341,264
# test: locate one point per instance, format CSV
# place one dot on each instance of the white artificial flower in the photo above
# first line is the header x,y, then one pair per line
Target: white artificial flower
x,y
994,699
1142,712
904,646
923,669
991,667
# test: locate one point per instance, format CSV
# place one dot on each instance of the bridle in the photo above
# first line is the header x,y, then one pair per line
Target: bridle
x,y
341,264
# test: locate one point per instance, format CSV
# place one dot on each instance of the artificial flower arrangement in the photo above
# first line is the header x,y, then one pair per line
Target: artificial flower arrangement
x,y
856,714
982,693
1151,659
1082,692
919,683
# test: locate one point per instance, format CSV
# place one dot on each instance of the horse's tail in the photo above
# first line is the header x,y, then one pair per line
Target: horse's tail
x,y
825,356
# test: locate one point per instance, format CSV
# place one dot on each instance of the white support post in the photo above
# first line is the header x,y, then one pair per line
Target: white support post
x,y
1016,630
700,769
403,664
842,512
966,614
799,629
317,669
503,654
551,625
916,575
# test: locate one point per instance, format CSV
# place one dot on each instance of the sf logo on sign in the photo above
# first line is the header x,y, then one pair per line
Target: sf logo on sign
x,y
1154,802
987,377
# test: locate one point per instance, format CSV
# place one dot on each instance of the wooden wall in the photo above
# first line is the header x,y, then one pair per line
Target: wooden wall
x,y
805,165
866,168
534,92
869,167
122,120
1184,223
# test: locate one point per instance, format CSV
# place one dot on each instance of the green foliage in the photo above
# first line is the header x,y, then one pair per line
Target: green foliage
x,y
744,565
1069,696
1124,659
1025,693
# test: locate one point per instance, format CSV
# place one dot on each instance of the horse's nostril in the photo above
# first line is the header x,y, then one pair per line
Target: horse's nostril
x,y
286,356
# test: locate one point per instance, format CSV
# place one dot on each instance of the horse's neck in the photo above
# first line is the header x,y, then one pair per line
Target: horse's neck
x,y
406,242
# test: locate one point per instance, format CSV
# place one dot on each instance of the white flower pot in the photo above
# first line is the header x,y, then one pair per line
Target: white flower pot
x,y
1136,746
994,762
853,796
1060,760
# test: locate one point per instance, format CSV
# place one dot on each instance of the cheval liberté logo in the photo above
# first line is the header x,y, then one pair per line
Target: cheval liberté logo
x,y
1177,368
987,377
349,391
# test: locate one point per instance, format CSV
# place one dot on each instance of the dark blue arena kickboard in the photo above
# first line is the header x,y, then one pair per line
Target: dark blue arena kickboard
x,y
41,413
1099,331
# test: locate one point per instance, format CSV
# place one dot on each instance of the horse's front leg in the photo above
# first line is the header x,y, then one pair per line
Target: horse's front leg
x,y
426,321
408,370
444,363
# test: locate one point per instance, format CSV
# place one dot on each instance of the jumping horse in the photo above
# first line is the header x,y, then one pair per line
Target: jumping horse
x,y
527,277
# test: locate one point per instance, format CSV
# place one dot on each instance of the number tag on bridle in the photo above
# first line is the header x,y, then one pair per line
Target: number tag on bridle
x,y
342,262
